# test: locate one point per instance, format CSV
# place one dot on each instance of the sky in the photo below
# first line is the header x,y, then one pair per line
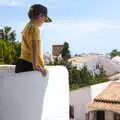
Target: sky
x,y
87,25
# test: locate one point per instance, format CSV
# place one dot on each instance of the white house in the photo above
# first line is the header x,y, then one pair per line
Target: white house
x,y
93,63
116,59
106,106
47,57
80,99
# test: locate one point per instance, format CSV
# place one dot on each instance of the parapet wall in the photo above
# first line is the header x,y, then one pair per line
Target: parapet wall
x,y
30,96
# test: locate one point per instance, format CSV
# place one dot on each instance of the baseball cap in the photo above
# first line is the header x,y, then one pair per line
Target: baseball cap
x,y
38,9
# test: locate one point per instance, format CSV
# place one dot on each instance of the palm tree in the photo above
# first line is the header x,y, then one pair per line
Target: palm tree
x,y
6,31
9,34
1,52
12,36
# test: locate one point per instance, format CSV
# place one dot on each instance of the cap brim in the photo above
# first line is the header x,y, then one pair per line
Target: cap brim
x,y
48,20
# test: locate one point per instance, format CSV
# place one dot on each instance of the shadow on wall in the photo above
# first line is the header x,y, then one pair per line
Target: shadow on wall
x,y
21,92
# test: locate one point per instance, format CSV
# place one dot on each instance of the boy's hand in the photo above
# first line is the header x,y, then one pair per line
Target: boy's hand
x,y
42,70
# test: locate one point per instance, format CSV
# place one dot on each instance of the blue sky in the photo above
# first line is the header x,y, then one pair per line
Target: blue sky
x,y
88,25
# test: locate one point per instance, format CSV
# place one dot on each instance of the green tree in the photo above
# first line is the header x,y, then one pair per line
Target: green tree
x,y
1,52
9,48
9,34
17,47
65,52
85,74
11,51
77,55
114,53
6,31
12,36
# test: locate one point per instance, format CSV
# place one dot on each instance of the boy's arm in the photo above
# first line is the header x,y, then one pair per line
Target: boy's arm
x,y
35,52
35,38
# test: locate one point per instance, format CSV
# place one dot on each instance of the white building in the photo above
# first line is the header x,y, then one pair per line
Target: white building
x,y
92,62
106,106
80,99
116,59
48,57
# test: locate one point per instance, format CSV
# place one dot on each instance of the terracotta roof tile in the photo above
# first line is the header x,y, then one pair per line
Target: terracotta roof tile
x,y
107,106
78,59
109,98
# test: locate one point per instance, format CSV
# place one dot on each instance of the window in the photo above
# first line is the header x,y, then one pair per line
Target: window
x,y
100,115
71,112
116,116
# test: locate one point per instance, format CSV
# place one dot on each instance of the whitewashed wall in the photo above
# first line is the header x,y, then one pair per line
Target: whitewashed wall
x,y
79,99
30,96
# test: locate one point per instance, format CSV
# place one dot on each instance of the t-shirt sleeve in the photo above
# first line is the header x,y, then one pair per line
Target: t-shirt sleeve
x,y
35,33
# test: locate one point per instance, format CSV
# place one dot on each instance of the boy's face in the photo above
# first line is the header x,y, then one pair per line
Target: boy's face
x,y
41,19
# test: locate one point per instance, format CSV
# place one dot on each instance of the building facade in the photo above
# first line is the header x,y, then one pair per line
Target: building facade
x,y
56,50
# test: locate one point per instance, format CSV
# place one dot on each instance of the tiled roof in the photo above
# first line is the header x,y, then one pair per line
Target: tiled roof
x,y
115,76
106,106
78,59
109,98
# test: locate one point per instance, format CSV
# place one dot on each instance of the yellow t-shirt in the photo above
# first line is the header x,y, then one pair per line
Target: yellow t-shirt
x,y
31,32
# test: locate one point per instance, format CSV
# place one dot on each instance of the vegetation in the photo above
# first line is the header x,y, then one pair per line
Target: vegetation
x,y
9,34
10,52
9,48
65,53
2,63
83,77
114,53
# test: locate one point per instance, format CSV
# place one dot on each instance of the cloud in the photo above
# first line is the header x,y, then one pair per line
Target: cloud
x,y
81,35
117,27
72,29
78,28
14,4
49,4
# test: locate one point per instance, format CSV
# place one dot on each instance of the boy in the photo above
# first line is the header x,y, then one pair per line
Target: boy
x,y
31,54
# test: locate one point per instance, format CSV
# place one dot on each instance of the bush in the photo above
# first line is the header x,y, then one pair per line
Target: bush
x,y
10,51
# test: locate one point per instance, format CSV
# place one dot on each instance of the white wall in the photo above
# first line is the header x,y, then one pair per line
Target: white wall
x,y
81,97
30,96
98,88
